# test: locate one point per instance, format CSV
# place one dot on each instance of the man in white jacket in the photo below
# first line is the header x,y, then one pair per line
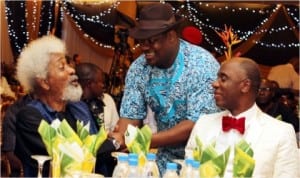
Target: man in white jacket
x,y
273,141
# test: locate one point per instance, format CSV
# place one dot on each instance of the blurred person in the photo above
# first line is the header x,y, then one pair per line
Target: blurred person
x,y
103,109
266,102
76,59
9,134
56,96
102,105
172,77
273,141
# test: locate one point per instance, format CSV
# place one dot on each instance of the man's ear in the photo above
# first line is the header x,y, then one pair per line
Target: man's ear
x,y
246,86
43,83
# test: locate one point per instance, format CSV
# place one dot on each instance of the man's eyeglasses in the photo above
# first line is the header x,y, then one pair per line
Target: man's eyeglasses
x,y
264,89
151,41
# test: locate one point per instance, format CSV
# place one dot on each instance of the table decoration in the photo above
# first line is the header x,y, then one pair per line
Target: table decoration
x,y
71,151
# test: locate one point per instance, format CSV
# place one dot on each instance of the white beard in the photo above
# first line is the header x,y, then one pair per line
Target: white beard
x,y
72,93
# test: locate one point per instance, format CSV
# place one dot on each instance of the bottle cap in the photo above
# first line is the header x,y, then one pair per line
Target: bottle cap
x,y
196,164
132,155
132,162
122,157
172,166
189,161
151,156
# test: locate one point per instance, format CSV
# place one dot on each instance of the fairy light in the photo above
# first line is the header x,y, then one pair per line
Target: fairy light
x,y
294,13
243,35
186,10
279,45
13,34
96,19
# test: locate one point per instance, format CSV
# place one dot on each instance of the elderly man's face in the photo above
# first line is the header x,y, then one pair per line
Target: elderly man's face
x,y
62,79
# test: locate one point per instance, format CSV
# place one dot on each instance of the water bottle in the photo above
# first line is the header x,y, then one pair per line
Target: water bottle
x,y
195,169
186,170
121,167
171,171
150,169
133,169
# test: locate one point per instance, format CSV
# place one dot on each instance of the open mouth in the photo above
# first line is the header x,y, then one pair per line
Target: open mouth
x,y
74,81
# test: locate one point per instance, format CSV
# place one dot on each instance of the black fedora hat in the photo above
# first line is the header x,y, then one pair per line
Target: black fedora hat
x,y
154,19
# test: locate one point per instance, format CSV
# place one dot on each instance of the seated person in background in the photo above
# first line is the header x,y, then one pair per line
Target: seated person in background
x,y
102,107
273,141
288,98
57,95
265,101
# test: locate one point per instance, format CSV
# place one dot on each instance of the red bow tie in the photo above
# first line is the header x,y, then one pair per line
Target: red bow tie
x,y
233,123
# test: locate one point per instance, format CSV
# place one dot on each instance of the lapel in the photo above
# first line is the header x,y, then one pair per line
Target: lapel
x,y
255,129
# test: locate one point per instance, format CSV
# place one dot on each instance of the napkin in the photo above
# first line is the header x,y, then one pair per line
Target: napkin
x,y
214,164
70,151
138,141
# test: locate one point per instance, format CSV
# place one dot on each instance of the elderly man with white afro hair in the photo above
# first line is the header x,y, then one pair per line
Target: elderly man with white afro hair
x,y
43,70
34,59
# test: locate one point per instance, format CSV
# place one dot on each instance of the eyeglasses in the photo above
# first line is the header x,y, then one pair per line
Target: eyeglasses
x,y
151,41
264,89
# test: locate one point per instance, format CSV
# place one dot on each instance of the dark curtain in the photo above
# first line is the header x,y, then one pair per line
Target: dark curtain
x,y
15,13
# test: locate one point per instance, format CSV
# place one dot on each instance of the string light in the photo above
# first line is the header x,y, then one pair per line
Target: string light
x,y
294,13
243,35
13,34
280,45
95,19
186,10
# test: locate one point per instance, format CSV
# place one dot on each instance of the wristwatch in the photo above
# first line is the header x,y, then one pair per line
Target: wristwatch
x,y
116,143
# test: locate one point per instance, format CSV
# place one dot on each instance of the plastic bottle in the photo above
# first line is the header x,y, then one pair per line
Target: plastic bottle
x,y
133,169
186,170
121,167
195,170
171,171
150,169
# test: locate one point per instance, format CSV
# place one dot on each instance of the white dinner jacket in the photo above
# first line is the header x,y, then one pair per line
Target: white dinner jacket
x,y
273,143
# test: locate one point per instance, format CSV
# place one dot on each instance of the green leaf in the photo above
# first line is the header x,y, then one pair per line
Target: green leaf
x,y
216,166
66,130
208,153
245,147
243,165
100,138
48,135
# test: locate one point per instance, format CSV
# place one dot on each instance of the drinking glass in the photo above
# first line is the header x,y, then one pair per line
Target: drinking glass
x,y
41,159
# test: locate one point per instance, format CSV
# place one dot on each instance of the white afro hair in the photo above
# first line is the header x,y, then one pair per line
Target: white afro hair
x,y
34,59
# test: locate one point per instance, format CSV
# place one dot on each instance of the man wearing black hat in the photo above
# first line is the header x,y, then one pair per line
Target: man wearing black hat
x,y
172,77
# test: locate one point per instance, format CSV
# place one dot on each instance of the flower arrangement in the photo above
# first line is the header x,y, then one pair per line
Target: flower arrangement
x,y
214,165
229,39
70,151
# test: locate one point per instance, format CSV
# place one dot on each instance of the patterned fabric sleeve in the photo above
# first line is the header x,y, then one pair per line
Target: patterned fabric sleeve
x,y
200,93
133,102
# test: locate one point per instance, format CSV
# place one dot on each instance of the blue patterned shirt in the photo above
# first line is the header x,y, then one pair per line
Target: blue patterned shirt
x,y
182,91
